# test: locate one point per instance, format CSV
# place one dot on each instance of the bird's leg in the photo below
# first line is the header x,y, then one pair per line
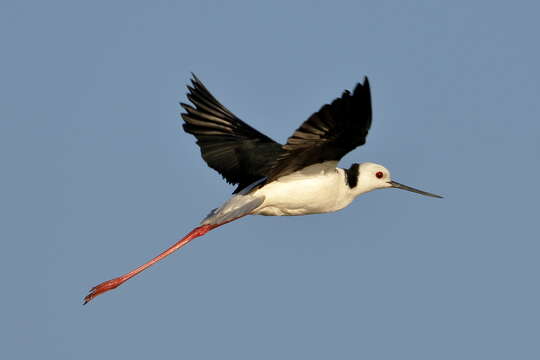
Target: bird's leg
x,y
114,283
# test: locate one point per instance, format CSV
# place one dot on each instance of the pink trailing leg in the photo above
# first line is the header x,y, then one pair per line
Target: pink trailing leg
x,y
114,283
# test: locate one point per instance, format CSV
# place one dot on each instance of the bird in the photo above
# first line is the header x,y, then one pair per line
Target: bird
x,y
300,177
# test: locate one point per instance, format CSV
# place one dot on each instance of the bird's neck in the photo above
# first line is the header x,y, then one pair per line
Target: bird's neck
x,y
354,186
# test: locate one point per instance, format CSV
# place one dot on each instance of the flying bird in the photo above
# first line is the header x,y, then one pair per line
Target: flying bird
x,y
300,177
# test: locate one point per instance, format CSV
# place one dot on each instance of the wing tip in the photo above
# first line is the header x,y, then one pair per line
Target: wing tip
x,y
366,82
363,90
194,77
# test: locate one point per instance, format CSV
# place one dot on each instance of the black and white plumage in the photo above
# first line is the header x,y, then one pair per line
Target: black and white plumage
x,y
243,155
300,177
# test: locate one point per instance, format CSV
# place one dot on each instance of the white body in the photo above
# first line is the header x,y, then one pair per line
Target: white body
x,y
319,188
312,190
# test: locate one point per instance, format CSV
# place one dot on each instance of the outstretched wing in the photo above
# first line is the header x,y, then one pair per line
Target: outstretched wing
x,y
241,154
328,134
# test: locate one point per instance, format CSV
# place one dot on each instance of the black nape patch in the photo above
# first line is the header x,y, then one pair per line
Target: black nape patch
x,y
351,175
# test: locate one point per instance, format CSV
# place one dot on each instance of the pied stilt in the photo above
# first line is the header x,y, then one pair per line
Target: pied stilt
x,y
298,178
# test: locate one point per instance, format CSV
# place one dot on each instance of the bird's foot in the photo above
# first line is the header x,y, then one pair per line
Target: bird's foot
x,y
103,288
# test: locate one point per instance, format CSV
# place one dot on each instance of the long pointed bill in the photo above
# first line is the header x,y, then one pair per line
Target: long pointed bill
x,y
408,188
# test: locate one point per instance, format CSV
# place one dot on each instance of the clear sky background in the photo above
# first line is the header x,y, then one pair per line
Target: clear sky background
x,y
97,177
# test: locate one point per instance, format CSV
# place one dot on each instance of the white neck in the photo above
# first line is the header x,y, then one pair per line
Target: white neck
x,y
353,188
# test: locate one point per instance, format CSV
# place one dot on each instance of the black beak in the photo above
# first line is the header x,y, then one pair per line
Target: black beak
x,y
408,188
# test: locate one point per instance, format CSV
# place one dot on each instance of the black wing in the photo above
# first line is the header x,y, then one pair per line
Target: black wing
x,y
328,134
241,154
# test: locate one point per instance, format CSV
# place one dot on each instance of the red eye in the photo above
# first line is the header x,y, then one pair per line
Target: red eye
x,y
379,174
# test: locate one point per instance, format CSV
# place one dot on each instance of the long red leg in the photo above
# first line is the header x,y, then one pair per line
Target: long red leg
x,y
114,283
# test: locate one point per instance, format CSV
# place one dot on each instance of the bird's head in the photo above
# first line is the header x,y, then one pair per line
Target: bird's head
x,y
373,176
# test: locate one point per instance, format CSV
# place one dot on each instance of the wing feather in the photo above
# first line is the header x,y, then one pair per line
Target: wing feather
x,y
241,154
328,134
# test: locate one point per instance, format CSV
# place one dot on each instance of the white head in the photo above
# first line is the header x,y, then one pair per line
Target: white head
x,y
371,176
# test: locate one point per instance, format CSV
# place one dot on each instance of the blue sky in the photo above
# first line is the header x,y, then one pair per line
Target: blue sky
x,y
97,177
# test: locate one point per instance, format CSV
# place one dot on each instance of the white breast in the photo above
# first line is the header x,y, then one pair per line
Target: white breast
x,y
316,189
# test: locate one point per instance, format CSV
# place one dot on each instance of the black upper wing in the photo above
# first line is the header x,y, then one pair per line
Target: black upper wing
x,y
241,154
328,134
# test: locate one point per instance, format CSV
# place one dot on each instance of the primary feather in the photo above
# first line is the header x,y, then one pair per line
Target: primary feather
x,y
243,155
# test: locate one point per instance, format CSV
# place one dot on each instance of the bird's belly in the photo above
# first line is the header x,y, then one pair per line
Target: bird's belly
x,y
301,197
280,211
